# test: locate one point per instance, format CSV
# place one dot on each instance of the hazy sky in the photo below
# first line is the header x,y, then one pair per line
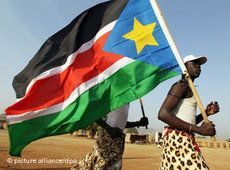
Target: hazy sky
x,y
199,27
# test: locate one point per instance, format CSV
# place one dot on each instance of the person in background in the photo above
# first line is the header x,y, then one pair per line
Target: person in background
x,y
180,150
109,148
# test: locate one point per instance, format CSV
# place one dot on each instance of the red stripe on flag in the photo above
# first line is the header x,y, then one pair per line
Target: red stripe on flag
x,y
57,88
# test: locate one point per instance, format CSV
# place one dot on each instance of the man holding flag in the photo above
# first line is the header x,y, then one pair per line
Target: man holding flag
x,y
110,55
180,150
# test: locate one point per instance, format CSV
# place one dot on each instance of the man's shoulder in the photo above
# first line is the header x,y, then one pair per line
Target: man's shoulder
x,y
180,88
182,83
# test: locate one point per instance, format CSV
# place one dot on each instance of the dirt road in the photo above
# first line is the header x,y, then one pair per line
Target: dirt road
x,y
60,152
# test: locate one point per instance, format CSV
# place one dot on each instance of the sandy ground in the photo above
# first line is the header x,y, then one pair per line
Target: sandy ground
x,y
60,152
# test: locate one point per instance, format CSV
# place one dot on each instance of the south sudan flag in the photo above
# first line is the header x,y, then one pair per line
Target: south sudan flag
x,y
110,55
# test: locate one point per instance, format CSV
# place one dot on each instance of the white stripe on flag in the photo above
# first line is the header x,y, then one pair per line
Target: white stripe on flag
x,y
12,119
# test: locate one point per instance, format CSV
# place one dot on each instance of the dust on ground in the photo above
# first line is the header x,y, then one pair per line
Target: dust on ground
x,y
60,152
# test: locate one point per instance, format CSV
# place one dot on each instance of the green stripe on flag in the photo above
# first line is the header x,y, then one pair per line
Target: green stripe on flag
x,y
126,85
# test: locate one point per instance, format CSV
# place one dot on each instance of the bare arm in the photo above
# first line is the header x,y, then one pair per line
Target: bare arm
x,y
143,122
113,131
211,109
103,124
132,124
171,101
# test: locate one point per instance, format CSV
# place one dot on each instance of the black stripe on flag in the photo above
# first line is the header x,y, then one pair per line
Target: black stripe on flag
x,y
57,48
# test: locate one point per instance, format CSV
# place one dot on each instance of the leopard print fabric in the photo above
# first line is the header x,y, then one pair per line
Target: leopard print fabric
x,y
106,153
181,152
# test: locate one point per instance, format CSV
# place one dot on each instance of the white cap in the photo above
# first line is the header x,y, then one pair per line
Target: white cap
x,y
202,59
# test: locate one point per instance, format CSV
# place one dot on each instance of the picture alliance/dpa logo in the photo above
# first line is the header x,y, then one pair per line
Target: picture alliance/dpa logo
x,y
41,161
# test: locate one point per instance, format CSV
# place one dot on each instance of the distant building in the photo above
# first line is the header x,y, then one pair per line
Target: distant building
x,y
144,136
136,138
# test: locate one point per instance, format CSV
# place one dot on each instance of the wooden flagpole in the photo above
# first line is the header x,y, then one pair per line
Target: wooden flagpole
x,y
142,109
187,75
205,117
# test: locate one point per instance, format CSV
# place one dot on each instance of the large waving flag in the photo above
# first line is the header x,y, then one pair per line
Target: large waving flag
x,y
111,54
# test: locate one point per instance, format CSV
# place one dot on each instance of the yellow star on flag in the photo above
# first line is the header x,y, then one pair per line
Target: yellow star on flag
x,y
142,35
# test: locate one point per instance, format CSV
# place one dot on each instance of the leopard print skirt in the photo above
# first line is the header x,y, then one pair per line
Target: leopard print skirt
x,y
106,154
181,152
